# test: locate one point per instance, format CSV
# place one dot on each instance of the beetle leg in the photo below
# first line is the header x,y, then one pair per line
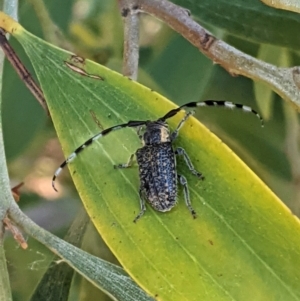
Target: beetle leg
x,y
125,165
143,207
174,135
182,152
182,180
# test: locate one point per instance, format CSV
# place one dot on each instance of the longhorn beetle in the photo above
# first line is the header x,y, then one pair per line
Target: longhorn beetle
x,y
157,158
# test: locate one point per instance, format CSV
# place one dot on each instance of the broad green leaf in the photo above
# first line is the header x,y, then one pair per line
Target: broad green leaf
x,y
250,19
244,245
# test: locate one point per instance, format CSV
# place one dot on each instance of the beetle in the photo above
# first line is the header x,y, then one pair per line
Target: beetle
x,y
156,159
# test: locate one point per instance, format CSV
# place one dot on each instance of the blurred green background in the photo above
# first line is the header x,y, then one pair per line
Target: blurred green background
x,y
169,65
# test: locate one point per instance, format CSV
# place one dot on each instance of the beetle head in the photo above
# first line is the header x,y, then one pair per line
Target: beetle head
x,y
156,132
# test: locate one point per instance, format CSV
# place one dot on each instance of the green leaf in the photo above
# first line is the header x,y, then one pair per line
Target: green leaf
x,y
109,277
18,108
248,19
56,282
264,95
181,70
244,245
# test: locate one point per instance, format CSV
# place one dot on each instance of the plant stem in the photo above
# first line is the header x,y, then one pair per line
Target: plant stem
x,y
284,81
131,38
5,291
22,71
110,278
6,198
51,31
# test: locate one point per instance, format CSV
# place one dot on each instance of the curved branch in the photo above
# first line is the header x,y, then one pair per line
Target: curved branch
x,y
131,38
284,81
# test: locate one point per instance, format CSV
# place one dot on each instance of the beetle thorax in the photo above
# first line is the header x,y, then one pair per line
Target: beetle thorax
x,y
156,132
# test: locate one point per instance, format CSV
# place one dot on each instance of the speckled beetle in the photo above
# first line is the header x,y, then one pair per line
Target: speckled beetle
x,y
157,158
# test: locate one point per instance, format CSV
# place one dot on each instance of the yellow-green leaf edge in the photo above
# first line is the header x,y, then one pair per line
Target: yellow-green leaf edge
x,y
244,245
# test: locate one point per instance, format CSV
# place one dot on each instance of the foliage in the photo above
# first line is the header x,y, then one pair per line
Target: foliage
x,y
243,234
